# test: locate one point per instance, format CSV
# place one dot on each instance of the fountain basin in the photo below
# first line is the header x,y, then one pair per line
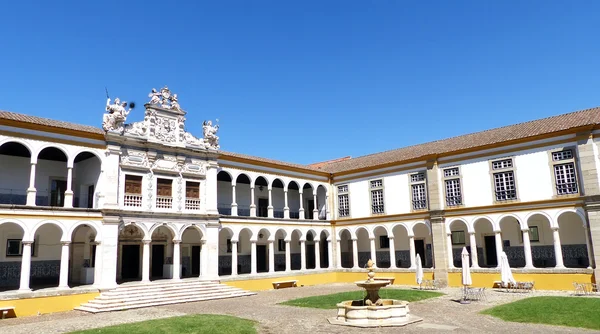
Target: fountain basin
x,y
391,313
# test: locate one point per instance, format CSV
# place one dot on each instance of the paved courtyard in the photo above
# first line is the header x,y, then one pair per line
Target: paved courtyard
x,y
439,315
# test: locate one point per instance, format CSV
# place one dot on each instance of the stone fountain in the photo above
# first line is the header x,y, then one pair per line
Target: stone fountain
x,y
373,311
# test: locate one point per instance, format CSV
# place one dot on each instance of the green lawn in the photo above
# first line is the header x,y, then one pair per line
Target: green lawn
x,y
197,324
561,311
330,301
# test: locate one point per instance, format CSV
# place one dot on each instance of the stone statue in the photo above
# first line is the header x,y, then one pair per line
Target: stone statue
x,y
175,103
191,140
211,140
155,97
114,119
164,99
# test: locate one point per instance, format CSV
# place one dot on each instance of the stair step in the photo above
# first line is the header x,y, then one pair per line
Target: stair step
x,y
133,301
147,286
104,300
92,309
164,289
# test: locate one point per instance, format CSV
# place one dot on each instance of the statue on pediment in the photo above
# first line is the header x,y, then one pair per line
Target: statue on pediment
x,y
164,98
114,118
211,140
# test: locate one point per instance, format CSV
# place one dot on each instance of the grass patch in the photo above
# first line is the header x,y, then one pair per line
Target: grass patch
x,y
197,324
560,311
330,301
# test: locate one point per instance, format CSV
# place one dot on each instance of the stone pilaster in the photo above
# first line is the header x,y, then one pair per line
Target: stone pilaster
x,y
593,214
587,152
433,186
440,249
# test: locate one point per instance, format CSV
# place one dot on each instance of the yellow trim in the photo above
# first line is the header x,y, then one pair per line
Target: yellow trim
x,y
41,305
558,281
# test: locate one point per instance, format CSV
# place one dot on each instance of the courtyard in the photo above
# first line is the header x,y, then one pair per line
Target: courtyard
x,y
270,315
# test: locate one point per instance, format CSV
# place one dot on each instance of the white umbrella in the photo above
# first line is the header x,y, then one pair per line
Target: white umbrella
x,y
419,270
506,275
466,273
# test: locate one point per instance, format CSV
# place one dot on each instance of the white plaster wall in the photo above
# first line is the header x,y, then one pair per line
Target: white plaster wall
x,y
534,181
360,202
364,244
400,238
476,183
396,194
14,174
86,173
571,230
9,231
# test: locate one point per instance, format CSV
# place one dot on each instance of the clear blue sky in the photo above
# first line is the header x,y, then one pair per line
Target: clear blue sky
x,y
306,81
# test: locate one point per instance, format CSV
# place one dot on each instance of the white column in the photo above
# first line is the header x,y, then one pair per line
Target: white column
x,y
234,211
270,207
146,261
527,249
355,253
97,267
301,210
25,266
252,205
286,209
234,262
557,249
317,255
392,253
271,256
63,282
411,245
253,257
473,244
203,260
589,246
302,255
69,192
176,259
329,254
31,191
339,254
327,212
315,210
288,256
373,251
450,254
499,247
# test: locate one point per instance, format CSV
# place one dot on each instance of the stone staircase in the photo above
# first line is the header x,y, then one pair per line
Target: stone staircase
x,y
138,295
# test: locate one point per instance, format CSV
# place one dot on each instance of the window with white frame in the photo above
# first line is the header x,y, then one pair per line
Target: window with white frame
x,y
343,201
505,187
377,205
452,185
418,191
565,177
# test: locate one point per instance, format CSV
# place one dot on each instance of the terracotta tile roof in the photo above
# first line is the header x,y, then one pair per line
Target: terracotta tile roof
x,y
474,140
7,115
269,161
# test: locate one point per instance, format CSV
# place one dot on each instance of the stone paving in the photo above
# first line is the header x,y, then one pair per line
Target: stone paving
x,y
440,315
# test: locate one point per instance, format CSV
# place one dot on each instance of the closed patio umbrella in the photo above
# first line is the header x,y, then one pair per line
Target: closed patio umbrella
x,y
419,270
466,273
506,275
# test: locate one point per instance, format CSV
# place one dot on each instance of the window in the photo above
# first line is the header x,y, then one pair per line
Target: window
x,y
281,245
228,245
14,247
133,184
384,242
377,206
504,180
458,237
534,234
164,187
452,185
565,176
418,191
192,189
343,201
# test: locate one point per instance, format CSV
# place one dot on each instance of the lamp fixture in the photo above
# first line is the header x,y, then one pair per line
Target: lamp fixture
x,y
260,188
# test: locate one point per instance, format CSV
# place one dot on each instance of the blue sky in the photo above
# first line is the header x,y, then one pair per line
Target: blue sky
x,y
306,81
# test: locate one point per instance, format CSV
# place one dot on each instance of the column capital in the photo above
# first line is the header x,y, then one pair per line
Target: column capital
x,y
177,242
33,162
146,242
525,229
253,241
203,242
65,243
391,237
233,241
411,236
472,232
95,243
497,231
554,228
28,243
371,239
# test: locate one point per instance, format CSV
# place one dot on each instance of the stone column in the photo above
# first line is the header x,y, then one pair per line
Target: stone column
x,y
252,257
557,248
316,209
499,247
203,260
588,245
288,256
329,254
450,252
63,282
411,245
31,191
527,249
392,253
593,213
327,211
69,191
146,261
176,259
302,255
373,251
234,258
355,253
317,255
339,254
301,210
234,211
25,266
271,256
252,205
270,207
440,249
286,208
97,267
473,244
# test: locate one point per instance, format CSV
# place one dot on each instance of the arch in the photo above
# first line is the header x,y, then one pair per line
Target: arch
x,y
23,143
277,180
242,175
495,227
90,224
84,150
300,234
63,237
287,185
320,186
421,222
228,229
18,223
402,225
250,233
310,185
55,146
263,181
284,233
266,234
464,221
519,220
169,226
369,232
340,231
384,227
541,213
311,232
142,227
575,211
200,228
327,234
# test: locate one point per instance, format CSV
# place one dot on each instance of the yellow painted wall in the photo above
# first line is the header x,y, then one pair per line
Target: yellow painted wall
x,y
41,305
542,281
